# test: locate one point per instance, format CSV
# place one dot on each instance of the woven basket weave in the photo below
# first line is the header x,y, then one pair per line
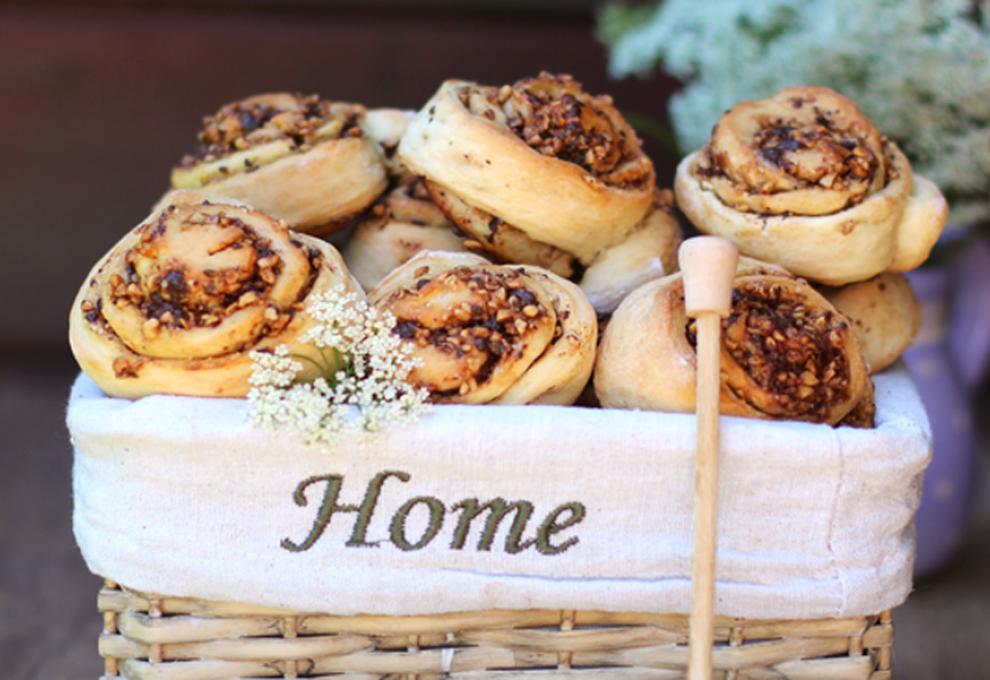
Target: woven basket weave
x,y
161,637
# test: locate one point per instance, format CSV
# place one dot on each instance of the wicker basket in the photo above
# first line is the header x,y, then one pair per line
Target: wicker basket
x,y
163,637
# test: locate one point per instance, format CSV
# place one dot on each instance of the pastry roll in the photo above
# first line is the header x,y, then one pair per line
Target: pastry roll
x,y
386,126
786,352
490,334
176,306
648,252
884,313
405,222
304,160
538,172
804,179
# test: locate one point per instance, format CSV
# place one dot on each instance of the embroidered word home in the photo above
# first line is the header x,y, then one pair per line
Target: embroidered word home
x,y
474,517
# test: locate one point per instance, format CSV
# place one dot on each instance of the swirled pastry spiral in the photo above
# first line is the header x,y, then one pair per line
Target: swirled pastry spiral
x,y
804,179
299,158
491,334
884,313
178,303
402,224
786,352
538,172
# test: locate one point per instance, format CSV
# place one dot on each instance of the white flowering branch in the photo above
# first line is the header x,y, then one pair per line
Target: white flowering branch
x,y
361,371
920,69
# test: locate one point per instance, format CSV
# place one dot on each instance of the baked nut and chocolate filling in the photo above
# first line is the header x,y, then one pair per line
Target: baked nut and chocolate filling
x,y
300,158
786,359
555,117
178,303
787,353
491,334
806,151
803,178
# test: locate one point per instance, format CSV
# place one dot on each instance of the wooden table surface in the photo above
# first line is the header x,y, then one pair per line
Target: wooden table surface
x,y
48,619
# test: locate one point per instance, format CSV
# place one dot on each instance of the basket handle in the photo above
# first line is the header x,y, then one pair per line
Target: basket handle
x,y
708,265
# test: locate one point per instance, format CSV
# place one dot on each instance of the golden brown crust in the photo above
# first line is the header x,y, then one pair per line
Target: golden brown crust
x,y
487,234
884,313
178,303
402,224
491,334
504,151
786,352
302,159
804,179
648,252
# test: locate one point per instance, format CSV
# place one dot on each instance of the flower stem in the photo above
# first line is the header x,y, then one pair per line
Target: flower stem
x,y
302,357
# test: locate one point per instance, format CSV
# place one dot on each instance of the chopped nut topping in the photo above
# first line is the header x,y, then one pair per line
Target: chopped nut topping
x,y
125,367
494,312
557,118
151,327
794,354
299,119
176,287
817,154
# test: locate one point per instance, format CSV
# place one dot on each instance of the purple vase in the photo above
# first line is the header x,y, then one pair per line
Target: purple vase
x,y
969,323
946,493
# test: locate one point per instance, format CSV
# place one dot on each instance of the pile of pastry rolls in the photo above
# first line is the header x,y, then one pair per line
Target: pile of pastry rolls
x,y
518,236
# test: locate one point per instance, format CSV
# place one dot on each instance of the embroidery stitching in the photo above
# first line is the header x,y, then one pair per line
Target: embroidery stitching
x,y
561,518
397,528
498,508
549,527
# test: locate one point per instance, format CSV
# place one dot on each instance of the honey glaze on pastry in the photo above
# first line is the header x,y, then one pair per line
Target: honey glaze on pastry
x,y
804,179
491,334
300,158
402,224
787,353
537,172
176,306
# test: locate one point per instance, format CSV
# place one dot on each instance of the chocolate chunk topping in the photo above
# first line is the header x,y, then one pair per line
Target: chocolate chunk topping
x,y
793,353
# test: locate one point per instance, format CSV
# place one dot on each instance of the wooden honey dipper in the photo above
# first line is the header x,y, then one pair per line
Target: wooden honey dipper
x,y
708,266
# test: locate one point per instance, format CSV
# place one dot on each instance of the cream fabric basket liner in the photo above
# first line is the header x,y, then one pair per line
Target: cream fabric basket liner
x,y
181,496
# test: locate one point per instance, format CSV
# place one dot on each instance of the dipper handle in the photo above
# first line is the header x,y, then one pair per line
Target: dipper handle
x,y
708,267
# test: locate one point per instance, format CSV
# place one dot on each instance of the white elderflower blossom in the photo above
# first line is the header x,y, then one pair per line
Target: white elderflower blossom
x,y
920,69
361,368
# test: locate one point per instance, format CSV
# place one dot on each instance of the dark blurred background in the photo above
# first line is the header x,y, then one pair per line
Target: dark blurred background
x,y
99,99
